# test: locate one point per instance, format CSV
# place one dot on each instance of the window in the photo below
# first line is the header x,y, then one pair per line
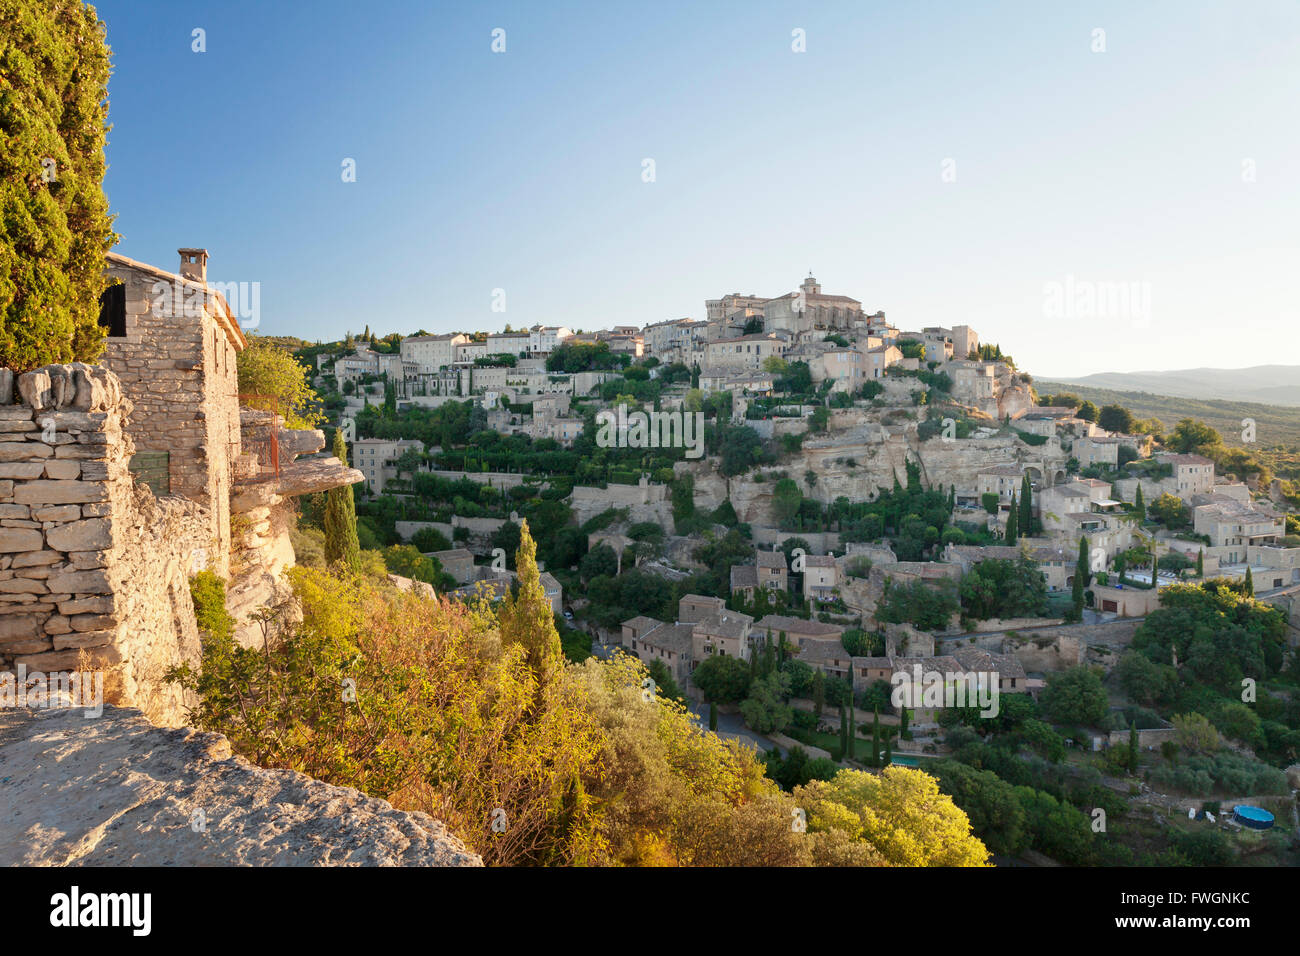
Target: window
x,y
112,310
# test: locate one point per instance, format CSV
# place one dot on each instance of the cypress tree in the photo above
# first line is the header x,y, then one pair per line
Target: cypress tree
x,y
1080,579
1139,505
55,227
844,740
1132,746
819,693
1026,523
526,617
875,737
853,731
1200,563
1013,520
341,518
1250,583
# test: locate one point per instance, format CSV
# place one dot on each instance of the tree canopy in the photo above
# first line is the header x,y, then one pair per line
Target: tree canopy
x,y
54,221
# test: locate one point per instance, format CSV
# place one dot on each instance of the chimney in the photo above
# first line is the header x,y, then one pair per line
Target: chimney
x,y
194,264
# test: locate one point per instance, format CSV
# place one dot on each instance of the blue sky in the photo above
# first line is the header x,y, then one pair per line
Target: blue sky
x,y
522,170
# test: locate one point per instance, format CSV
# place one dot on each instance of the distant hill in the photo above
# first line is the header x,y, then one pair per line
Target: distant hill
x,y
1269,384
1274,424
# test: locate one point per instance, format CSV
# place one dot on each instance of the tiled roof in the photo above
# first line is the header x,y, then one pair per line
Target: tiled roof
x,y
776,623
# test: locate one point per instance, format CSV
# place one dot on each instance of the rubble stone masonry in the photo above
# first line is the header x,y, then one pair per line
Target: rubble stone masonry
x,y
93,569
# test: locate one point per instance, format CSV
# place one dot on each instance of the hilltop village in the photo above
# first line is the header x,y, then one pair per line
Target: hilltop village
x,y
871,502
838,543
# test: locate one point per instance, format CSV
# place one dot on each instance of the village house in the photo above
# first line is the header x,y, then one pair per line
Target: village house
x,y
745,351
773,573
457,562
724,633
696,607
671,643
375,458
798,631
431,353
820,577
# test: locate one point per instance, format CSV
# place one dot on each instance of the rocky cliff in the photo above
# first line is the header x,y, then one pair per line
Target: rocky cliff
x,y
115,790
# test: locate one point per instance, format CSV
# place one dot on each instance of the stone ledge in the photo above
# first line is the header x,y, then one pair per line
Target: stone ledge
x,y
305,476
117,791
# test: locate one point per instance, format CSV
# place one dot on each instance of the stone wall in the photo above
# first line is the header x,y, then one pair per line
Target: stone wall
x,y
93,569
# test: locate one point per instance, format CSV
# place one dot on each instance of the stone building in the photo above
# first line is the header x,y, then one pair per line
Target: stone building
x,y
120,481
172,341
810,309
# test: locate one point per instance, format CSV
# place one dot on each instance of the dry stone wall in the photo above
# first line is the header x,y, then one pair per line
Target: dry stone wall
x,y
93,569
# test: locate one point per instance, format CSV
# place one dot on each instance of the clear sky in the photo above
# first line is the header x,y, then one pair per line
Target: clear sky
x,y
523,170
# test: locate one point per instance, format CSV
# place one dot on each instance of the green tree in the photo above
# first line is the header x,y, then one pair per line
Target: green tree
x,y
1115,418
54,221
899,811
1080,581
818,693
1013,521
853,730
341,518
765,709
724,680
663,678
786,499
1075,696
1025,524
269,371
1192,436
527,617
1139,505
430,539
1250,583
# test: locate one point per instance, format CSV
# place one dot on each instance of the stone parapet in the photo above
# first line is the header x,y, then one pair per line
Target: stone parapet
x,y
93,569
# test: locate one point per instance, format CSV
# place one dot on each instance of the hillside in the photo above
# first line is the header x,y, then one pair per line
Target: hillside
x,y
1267,384
1274,424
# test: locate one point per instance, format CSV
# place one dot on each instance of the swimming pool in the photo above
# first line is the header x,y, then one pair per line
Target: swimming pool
x,y
1256,818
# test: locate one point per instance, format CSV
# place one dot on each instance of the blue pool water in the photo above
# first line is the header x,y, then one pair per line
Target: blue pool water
x,y
1256,818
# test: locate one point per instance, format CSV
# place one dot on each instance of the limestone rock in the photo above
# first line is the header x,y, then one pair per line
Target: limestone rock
x,y
89,534
23,451
56,492
34,388
117,791
20,539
